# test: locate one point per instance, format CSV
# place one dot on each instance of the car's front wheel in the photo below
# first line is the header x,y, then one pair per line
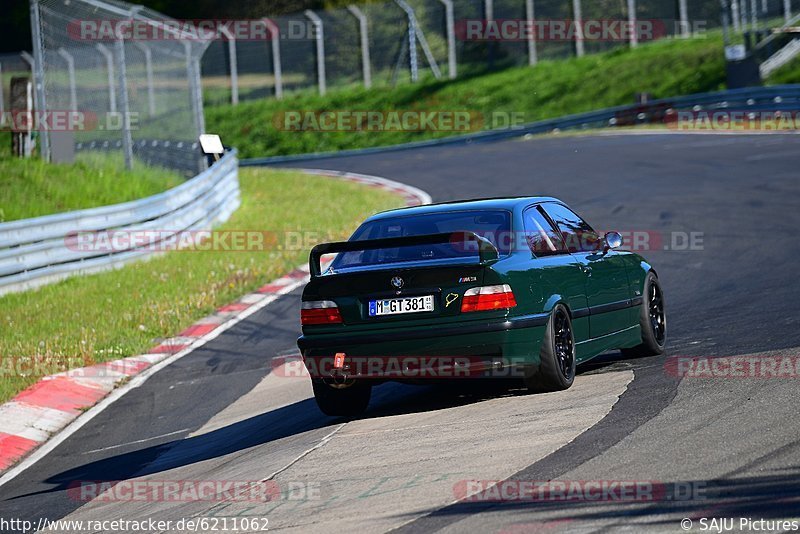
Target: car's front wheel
x,y
557,354
652,320
341,400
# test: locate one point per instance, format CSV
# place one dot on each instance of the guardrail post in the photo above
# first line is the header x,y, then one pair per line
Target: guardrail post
x,y
233,64
787,10
366,69
148,70
127,137
634,41
577,17
275,39
530,15
38,72
112,94
319,37
73,95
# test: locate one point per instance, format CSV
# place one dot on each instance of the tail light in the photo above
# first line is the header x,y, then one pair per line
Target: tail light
x,y
488,298
319,312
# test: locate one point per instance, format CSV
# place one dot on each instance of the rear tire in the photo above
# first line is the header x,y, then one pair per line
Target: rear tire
x,y
556,355
341,402
652,320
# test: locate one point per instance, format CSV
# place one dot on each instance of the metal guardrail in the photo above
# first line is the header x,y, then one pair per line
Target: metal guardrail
x,y
42,250
774,98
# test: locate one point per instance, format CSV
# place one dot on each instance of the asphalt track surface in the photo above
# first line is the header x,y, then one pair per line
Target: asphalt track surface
x,y
221,414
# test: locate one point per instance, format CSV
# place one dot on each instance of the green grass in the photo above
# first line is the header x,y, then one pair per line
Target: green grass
x,y
550,89
125,312
789,73
31,187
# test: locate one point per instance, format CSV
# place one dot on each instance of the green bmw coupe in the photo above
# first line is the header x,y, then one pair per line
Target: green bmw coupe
x,y
508,287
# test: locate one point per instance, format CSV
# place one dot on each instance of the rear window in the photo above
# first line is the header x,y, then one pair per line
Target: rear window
x,y
494,225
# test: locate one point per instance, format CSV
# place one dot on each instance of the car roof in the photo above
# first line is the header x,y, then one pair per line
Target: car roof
x,y
506,203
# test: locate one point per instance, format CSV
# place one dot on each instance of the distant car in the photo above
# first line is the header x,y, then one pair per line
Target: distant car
x,y
492,287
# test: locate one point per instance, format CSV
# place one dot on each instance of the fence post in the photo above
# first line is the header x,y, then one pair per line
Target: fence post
x,y
412,39
632,21
127,138
787,10
38,72
530,14
743,15
148,73
275,39
452,66
319,37
32,64
197,81
725,23
73,95
683,13
192,78
577,15
2,99
233,64
735,15
366,69
21,100
112,94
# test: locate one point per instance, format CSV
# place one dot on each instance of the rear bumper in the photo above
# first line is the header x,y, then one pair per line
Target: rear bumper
x,y
469,350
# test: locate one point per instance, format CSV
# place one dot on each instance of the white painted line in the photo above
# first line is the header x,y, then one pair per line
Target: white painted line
x,y
305,453
136,442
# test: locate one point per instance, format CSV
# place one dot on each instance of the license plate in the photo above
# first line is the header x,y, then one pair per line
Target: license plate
x,y
401,305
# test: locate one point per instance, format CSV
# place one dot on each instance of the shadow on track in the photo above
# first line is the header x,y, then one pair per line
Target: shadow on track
x,y
293,419
769,496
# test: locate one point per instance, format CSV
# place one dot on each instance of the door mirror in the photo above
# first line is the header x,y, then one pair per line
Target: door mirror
x,y
612,240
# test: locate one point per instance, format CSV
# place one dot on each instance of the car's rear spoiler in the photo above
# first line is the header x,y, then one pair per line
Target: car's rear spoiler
x,y
486,250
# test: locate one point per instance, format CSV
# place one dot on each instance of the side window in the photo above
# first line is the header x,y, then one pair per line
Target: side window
x,y
576,233
542,238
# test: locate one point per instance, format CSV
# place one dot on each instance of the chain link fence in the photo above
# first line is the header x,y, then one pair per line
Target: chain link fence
x,y
145,96
386,43
137,96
